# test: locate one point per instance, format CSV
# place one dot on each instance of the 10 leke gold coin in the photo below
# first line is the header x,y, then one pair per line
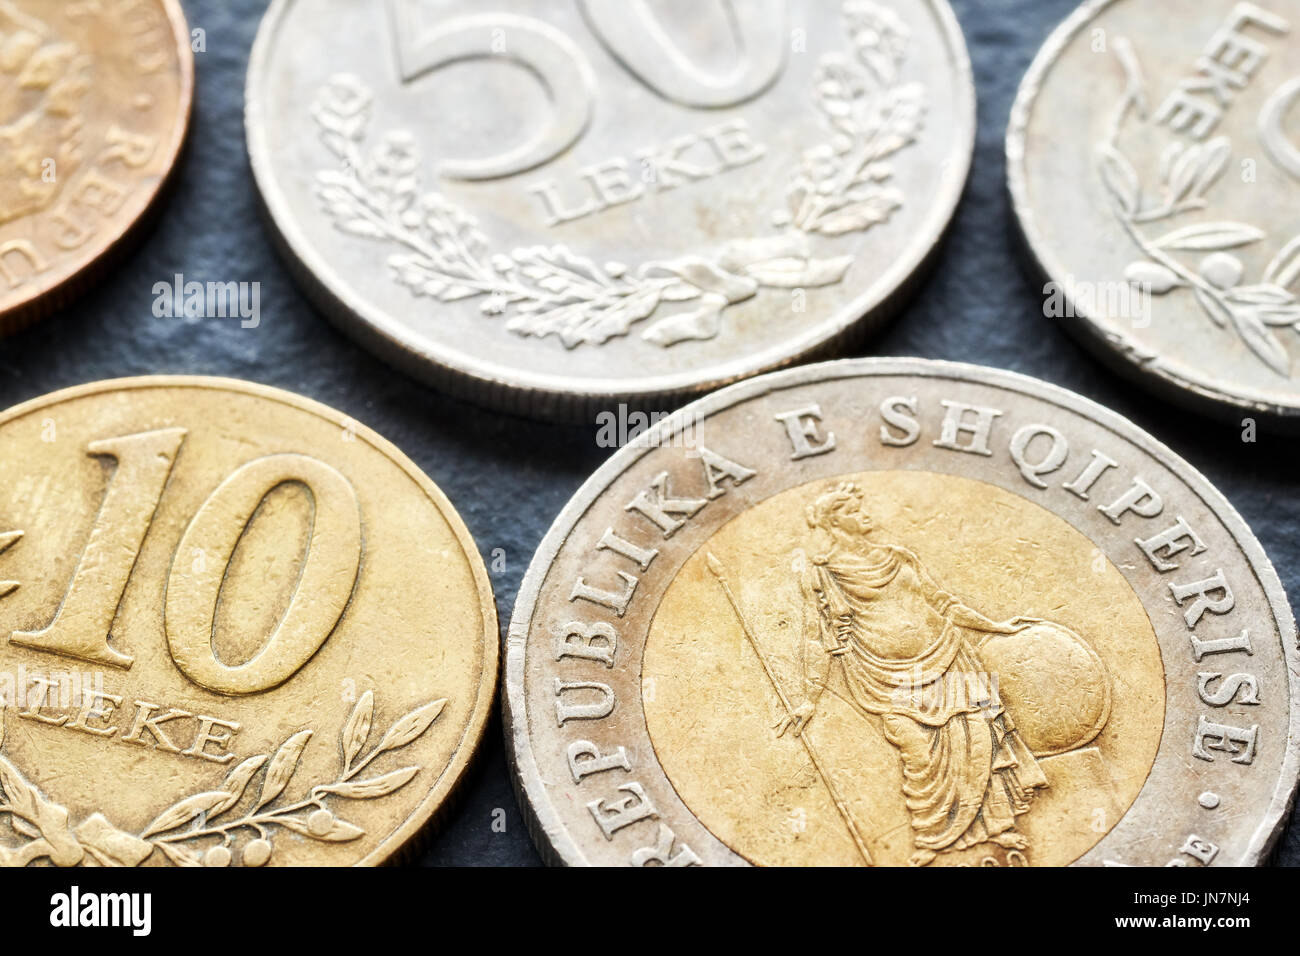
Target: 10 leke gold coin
x,y
236,628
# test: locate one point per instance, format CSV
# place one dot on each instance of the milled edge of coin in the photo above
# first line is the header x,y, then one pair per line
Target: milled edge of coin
x,y
44,301
553,398
553,841
1118,352
405,841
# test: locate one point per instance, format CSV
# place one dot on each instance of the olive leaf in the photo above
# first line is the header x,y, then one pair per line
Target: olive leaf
x,y
1198,168
1284,270
800,273
1214,162
1261,341
362,227
236,783
1167,159
1263,294
342,109
587,322
1120,178
1278,315
424,277
340,831
1214,308
178,814
874,208
1210,236
1271,304
1183,174
374,787
902,118
411,726
180,854
1155,278
357,729
283,765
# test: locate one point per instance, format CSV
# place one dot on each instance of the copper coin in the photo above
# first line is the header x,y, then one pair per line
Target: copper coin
x,y
95,102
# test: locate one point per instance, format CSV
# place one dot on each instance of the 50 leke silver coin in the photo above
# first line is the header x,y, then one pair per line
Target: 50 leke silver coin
x,y
556,206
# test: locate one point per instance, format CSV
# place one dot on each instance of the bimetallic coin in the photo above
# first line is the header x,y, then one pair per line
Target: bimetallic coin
x,y
899,612
1154,162
236,628
550,207
94,106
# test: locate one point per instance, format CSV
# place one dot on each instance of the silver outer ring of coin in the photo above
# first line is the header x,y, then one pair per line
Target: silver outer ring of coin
x,y
573,399
559,847
1196,394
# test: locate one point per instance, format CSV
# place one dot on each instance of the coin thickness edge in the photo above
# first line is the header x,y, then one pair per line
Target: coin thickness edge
x,y
1159,215
1108,621
501,276
96,148
255,628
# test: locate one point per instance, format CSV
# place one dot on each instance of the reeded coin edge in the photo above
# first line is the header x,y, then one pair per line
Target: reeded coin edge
x,y
423,823
44,299
552,839
553,397
1119,352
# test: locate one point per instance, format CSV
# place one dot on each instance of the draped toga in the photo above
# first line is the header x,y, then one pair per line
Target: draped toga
x,y
910,655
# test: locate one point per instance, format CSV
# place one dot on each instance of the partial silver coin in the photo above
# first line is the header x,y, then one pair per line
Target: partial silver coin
x,y
552,206
899,612
1154,164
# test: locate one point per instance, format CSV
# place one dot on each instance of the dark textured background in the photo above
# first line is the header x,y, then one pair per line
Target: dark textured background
x,y
510,477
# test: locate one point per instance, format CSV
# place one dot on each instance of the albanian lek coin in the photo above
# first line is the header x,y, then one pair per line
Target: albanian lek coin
x,y
572,205
1154,162
900,612
236,628
94,109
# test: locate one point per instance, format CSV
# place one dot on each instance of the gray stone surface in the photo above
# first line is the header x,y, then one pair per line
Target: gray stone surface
x,y
510,477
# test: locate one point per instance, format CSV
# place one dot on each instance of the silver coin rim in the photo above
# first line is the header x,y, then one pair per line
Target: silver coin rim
x,y
1199,394
554,841
516,390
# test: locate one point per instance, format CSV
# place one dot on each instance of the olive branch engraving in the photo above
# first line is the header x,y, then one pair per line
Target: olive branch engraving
x,y
1251,310
841,185
553,291
190,831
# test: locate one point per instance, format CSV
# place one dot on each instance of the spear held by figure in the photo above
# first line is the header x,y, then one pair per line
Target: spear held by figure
x,y
719,572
